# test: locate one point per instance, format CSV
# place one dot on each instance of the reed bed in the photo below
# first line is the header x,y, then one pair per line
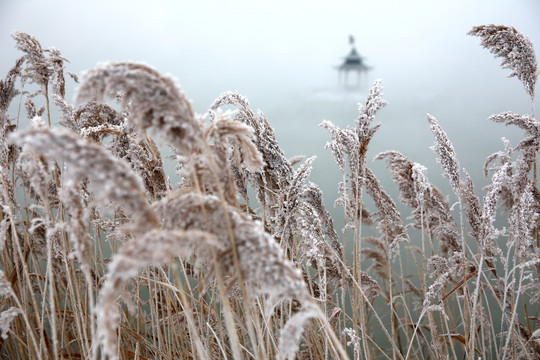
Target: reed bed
x,y
104,257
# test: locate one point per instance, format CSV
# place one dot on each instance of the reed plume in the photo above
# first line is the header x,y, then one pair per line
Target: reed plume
x,y
515,49
277,172
155,100
525,122
8,90
91,160
37,67
429,208
103,256
155,247
261,261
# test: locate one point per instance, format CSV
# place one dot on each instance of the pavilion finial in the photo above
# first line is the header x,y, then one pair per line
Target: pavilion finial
x,y
351,40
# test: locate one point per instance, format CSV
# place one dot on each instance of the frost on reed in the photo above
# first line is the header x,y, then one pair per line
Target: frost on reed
x,y
154,100
429,208
102,256
349,147
7,316
230,150
290,204
155,247
277,171
8,91
98,121
113,178
262,264
261,261
515,49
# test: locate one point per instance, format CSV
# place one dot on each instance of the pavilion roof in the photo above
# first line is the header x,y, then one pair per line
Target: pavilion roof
x,y
353,61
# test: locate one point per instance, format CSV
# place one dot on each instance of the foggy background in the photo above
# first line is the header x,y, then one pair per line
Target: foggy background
x,y
282,54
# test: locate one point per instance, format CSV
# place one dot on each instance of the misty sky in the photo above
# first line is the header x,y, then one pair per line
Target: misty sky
x,y
250,45
282,54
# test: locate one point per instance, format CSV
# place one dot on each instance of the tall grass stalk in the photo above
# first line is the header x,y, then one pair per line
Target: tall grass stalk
x,y
104,256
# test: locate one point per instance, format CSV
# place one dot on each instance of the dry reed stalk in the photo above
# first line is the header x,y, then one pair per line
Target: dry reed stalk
x,y
349,147
114,178
6,292
153,248
261,261
235,268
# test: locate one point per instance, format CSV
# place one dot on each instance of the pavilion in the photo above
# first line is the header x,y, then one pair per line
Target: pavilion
x,y
353,62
